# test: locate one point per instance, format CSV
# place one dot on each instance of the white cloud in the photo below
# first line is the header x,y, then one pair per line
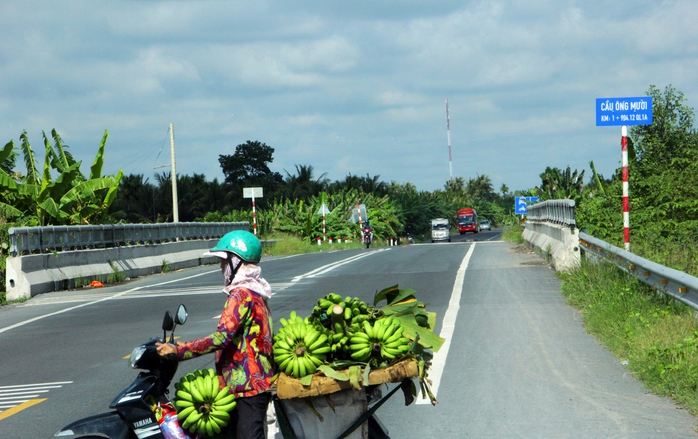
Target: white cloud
x,y
327,84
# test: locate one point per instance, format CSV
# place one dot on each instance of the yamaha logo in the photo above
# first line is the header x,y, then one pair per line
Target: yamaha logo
x,y
143,423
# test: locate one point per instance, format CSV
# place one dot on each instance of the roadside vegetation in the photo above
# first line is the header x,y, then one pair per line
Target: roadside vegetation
x,y
655,336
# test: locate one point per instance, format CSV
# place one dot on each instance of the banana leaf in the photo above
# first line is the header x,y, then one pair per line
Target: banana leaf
x,y
355,377
307,380
88,187
8,183
96,168
30,190
427,337
8,210
111,193
64,159
6,151
331,373
51,208
29,160
392,295
46,176
403,305
63,183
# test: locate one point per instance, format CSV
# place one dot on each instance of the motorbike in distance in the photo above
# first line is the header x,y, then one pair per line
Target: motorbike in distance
x,y
367,236
133,416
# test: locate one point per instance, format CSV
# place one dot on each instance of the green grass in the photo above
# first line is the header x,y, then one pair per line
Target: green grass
x,y
290,245
513,234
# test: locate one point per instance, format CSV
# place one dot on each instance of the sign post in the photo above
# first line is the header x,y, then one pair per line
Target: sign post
x,y
323,211
624,112
253,192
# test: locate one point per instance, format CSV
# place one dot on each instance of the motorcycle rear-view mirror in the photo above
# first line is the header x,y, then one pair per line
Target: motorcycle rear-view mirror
x,y
168,322
181,316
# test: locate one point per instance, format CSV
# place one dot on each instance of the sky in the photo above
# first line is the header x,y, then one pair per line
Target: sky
x,y
349,88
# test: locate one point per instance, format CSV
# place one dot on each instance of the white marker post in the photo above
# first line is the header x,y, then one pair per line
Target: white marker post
x,y
323,211
253,192
626,197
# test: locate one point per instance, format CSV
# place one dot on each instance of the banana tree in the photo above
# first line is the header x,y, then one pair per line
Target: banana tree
x,y
71,198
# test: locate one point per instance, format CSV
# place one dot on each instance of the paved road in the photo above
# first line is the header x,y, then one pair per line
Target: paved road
x,y
517,362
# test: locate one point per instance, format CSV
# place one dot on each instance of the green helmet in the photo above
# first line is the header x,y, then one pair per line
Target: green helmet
x,y
242,243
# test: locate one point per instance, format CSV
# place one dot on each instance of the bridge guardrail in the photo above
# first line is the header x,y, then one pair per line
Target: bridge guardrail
x,y
34,240
674,283
44,259
559,212
550,227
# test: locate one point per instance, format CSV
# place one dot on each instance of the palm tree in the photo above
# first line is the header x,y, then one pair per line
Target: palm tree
x,y
303,185
134,200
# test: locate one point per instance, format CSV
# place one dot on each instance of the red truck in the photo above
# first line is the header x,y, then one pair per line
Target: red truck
x,y
467,221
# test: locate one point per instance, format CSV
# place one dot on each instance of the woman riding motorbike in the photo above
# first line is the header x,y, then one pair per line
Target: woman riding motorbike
x,y
243,339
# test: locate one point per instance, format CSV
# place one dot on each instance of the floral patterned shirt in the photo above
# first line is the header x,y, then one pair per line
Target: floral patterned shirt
x,y
242,343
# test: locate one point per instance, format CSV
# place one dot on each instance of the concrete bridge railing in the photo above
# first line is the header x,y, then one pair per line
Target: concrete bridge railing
x,y
551,229
45,259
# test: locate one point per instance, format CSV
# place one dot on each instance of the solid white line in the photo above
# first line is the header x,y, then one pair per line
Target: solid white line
x,y
448,326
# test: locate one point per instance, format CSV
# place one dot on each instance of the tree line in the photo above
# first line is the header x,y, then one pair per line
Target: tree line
x,y
663,167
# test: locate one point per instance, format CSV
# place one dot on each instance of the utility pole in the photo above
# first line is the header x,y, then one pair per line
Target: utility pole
x,y
448,135
175,207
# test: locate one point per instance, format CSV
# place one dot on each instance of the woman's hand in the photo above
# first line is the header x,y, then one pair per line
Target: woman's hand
x,y
164,349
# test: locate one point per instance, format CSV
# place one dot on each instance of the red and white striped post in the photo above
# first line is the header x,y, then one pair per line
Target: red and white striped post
x,y
626,200
324,236
254,217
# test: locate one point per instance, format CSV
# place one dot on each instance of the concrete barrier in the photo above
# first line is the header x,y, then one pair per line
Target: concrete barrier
x,y
30,275
558,243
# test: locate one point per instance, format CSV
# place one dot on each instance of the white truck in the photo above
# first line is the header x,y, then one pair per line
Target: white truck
x,y
440,230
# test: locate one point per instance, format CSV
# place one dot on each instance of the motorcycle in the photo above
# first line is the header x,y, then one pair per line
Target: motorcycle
x,y
133,416
368,235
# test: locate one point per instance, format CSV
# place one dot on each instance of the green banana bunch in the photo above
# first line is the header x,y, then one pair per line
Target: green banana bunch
x,y
350,309
382,341
201,406
299,348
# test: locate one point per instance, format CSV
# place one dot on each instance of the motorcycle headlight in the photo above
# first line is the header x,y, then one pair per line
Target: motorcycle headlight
x,y
136,355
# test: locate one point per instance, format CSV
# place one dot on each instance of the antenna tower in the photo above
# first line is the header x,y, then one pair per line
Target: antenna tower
x,y
448,135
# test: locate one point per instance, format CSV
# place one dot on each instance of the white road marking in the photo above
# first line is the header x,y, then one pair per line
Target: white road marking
x,y
449,324
150,293
329,267
13,396
113,296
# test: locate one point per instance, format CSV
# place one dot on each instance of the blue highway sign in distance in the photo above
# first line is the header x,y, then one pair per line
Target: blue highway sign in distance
x,y
520,204
624,111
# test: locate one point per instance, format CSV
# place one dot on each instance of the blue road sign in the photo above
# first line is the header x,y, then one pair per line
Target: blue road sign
x,y
624,111
520,204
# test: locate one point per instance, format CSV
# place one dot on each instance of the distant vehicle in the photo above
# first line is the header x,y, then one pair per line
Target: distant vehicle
x,y
467,221
440,230
485,225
